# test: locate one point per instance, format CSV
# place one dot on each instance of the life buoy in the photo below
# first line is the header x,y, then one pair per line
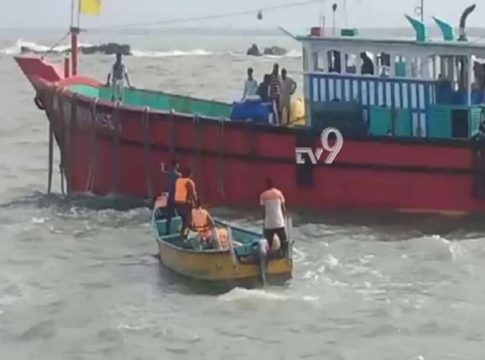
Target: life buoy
x,y
38,103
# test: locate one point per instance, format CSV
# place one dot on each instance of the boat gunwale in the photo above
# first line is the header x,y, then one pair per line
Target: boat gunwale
x,y
269,128
208,252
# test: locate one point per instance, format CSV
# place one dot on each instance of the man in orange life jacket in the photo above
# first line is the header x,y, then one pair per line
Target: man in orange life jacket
x,y
172,177
203,224
185,197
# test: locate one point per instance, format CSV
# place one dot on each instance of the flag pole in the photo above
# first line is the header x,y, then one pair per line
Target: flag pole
x,y
72,13
74,36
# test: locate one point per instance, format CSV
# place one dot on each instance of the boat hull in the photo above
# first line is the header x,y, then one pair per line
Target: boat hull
x,y
238,265
110,150
219,267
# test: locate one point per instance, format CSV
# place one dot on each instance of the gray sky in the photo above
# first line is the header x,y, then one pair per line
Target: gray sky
x,y
361,13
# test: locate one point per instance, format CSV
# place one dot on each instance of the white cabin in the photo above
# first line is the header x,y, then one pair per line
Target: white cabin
x,y
413,79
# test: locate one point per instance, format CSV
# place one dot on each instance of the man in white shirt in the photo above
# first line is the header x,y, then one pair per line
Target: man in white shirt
x,y
117,78
274,211
288,88
250,85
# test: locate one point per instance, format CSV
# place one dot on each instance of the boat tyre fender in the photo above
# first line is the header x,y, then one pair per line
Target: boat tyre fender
x,y
38,103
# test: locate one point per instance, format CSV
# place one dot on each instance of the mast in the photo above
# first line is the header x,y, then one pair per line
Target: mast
x,y
74,30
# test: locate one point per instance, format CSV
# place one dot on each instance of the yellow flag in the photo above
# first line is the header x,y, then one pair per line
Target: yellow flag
x,y
90,7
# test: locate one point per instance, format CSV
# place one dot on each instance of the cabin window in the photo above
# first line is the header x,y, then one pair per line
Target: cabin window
x,y
334,61
367,63
350,64
318,61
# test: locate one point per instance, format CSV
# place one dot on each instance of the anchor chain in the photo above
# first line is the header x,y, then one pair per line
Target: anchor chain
x,y
146,146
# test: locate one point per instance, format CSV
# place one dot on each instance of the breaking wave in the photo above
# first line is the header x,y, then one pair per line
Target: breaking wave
x,y
22,46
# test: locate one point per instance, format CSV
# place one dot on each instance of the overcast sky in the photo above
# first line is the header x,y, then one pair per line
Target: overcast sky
x,y
361,13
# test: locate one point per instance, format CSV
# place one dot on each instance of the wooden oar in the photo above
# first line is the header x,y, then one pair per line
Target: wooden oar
x,y
262,268
289,233
231,246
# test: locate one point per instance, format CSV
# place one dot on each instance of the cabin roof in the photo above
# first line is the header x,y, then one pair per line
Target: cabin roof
x,y
431,47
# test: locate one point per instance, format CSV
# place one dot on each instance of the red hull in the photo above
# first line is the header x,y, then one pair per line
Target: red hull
x,y
231,160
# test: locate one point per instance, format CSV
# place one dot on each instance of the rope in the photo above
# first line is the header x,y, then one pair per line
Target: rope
x,y
51,156
71,153
221,157
146,145
62,140
50,117
171,133
115,183
58,42
214,16
93,163
198,147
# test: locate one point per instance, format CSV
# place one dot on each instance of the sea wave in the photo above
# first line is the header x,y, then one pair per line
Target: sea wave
x,y
36,48
23,46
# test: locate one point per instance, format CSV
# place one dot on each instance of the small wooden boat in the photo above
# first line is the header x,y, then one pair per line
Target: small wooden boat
x,y
240,265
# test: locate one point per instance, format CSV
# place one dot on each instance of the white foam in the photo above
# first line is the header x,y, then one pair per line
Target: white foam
x,y
34,47
38,48
171,53
240,294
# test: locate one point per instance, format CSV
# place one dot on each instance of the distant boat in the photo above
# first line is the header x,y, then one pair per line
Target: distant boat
x,y
409,115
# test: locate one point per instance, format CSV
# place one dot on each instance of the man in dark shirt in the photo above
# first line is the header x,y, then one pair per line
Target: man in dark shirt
x,y
172,177
263,88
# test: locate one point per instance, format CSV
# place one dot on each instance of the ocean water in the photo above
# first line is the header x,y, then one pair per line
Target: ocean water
x,y
79,279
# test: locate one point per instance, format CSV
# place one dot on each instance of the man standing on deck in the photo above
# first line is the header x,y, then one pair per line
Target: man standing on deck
x,y
250,85
172,177
274,212
117,77
275,91
288,88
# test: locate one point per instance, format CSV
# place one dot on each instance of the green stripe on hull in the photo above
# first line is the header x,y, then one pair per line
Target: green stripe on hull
x,y
160,100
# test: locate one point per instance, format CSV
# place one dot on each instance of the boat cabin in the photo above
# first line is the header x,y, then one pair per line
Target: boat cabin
x,y
402,88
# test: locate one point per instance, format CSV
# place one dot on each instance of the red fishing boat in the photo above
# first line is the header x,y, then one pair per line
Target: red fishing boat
x,y
408,111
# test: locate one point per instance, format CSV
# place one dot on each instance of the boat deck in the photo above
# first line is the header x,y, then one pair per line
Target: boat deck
x,y
159,100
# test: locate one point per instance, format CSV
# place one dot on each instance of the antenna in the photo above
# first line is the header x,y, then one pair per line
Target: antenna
x,y
419,10
344,5
334,9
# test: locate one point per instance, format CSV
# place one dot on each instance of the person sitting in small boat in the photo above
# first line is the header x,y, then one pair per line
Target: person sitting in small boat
x,y
117,77
250,86
222,238
203,224
160,206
